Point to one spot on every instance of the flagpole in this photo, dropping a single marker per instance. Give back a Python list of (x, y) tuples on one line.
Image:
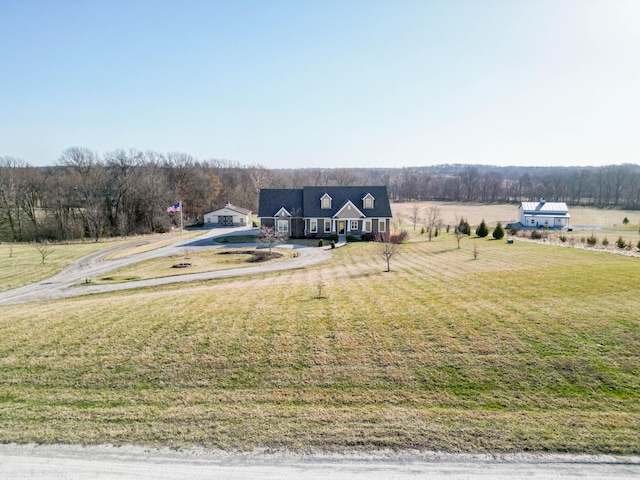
[(181, 225)]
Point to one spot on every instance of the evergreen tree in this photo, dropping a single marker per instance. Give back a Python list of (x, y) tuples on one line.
[(498, 233), (482, 231)]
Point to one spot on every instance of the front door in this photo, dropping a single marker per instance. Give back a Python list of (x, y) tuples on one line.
[(341, 227)]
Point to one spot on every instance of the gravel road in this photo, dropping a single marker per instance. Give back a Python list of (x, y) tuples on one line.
[(57, 462), (69, 282)]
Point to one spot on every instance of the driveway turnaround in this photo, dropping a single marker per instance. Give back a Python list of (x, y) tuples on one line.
[(70, 282)]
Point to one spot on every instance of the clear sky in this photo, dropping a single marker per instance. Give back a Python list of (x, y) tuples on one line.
[(324, 83)]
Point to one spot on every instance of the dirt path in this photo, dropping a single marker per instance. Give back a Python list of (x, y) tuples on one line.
[(56, 462), (69, 282)]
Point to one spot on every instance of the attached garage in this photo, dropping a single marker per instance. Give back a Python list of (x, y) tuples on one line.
[(228, 216)]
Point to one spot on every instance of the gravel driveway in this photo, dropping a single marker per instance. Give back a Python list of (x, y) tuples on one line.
[(69, 282)]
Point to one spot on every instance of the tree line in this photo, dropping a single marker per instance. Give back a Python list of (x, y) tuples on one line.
[(121, 193)]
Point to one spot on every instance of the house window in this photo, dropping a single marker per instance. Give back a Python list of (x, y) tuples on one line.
[(367, 225), (382, 225), (327, 226), (325, 201), (283, 226), (313, 225), (367, 201), (354, 225)]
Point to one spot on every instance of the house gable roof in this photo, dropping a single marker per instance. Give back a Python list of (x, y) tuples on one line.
[(274, 199), (341, 195), (233, 208), (348, 205)]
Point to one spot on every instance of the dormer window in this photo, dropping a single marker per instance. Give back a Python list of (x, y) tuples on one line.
[(325, 201), (367, 201)]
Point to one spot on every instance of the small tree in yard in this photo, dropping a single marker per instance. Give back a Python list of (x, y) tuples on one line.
[(482, 231), (44, 249), (270, 237), (386, 247), (498, 233)]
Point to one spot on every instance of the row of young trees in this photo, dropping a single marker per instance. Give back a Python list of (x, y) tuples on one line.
[(85, 194)]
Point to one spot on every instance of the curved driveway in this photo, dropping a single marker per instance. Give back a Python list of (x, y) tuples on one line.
[(69, 282)]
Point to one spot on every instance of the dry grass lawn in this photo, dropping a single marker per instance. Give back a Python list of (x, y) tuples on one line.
[(528, 348), (200, 261)]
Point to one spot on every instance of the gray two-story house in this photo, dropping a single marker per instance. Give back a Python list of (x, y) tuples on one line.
[(317, 212)]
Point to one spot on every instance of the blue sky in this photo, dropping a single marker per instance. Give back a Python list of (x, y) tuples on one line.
[(324, 83)]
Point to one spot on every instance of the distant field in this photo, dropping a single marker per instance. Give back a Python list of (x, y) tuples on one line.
[(474, 213), (527, 348)]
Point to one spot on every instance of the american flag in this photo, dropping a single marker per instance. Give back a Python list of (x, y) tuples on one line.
[(174, 208)]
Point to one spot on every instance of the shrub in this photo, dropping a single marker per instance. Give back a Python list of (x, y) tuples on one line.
[(436, 232), (334, 237), (482, 231), (498, 232), (464, 227), (448, 228), (592, 240), (638, 245), (422, 230), (368, 237), (605, 241), (350, 238), (536, 235), (321, 243), (625, 221), (621, 243), (563, 237), (513, 231), (399, 236), (333, 244)]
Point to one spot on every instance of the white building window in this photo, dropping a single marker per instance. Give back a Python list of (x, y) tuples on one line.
[(382, 224), (313, 225), (327, 226), (283, 226), (325, 201), (354, 225), (367, 226)]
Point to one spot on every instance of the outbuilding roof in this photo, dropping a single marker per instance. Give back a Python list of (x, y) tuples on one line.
[(545, 208)]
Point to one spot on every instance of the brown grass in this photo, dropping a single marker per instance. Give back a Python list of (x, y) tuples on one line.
[(529, 347)]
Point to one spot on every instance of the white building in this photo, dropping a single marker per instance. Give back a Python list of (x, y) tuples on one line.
[(228, 216), (544, 214)]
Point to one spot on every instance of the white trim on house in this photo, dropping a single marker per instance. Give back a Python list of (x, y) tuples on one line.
[(327, 221), (282, 226), (282, 213), (313, 225), (325, 202), (368, 196), (348, 204), (367, 225)]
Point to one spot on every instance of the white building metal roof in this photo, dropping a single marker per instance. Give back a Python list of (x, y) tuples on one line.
[(545, 208)]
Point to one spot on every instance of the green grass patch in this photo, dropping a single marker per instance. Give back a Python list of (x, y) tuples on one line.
[(528, 348)]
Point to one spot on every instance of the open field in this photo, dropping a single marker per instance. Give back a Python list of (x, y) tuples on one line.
[(528, 348), (474, 213), (200, 261)]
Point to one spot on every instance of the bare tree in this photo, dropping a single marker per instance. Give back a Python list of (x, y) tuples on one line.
[(415, 214), (433, 220), (44, 249), (386, 248), (457, 232), (270, 237)]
